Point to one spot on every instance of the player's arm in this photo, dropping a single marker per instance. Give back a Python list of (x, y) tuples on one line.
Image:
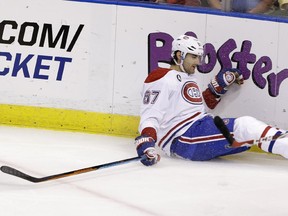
[(215, 4), (218, 86), (145, 143), (262, 7), (154, 103)]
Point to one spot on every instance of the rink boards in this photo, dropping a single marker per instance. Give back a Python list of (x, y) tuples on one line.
[(82, 68)]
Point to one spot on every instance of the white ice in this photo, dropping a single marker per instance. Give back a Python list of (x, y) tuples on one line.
[(245, 184)]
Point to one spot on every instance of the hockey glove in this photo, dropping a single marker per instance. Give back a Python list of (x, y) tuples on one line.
[(220, 83), (145, 147)]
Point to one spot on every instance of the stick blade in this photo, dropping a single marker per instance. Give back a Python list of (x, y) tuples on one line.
[(17, 173)]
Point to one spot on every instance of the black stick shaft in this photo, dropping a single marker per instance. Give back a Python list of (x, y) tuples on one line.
[(223, 129)]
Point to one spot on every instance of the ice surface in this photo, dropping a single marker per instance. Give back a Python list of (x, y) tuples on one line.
[(245, 184)]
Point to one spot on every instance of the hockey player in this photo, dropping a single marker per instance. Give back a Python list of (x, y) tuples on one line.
[(173, 115)]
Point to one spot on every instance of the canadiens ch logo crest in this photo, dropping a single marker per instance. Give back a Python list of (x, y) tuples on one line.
[(191, 93)]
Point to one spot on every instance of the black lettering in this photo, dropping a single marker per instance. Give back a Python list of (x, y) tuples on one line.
[(2, 27), (47, 30), (75, 38), (22, 33)]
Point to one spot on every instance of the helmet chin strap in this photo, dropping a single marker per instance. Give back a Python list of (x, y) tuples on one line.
[(182, 68), (180, 64)]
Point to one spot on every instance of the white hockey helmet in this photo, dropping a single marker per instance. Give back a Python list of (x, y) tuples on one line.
[(186, 44)]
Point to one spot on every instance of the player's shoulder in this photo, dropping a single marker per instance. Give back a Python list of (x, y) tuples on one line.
[(157, 74)]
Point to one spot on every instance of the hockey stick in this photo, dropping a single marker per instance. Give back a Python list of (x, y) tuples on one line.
[(17, 173), (249, 143), (234, 144), (224, 130)]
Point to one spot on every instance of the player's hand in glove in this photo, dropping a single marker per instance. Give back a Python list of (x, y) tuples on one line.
[(226, 77), (145, 147)]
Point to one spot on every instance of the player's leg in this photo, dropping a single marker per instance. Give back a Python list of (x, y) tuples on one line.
[(203, 141), (247, 128)]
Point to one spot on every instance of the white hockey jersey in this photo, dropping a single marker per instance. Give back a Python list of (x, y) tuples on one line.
[(171, 102)]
